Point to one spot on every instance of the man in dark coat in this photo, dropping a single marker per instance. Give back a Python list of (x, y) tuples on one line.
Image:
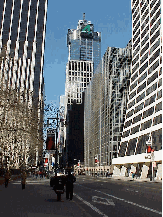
[(70, 179)]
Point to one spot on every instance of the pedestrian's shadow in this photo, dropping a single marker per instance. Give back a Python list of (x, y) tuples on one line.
[(51, 200)]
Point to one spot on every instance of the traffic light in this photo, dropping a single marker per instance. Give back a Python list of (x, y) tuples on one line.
[(149, 148)]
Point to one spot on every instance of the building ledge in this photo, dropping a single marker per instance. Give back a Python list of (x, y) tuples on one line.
[(139, 158)]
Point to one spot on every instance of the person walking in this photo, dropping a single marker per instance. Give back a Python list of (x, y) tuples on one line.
[(7, 177), (24, 176), (70, 179)]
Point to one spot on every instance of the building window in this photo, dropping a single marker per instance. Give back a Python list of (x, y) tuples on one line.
[(139, 98), (140, 88), (146, 125), (148, 112), (153, 67), (158, 107), (157, 119), (137, 118), (142, 77)]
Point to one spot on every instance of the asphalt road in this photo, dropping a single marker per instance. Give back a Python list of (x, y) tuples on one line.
[(92, 197), (120, 198)]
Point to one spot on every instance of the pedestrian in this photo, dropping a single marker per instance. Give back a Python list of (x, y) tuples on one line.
[(7, 177), (70, 179), (24, 176), (36, 174)]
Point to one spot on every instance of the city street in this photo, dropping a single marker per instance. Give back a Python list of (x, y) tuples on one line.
[(92, 197)]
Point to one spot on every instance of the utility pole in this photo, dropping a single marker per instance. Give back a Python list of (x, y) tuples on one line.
[(56, 154)]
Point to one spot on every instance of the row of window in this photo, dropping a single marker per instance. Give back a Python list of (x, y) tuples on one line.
[(155, 46), (156, 26), (79, 79), (145, 125), (136, 28), (144, 58), (144, 49), (135, 60), (145, 23), (135, 12), (136, 43), (155, 9), (153, 67), (153, 2), (144, 15), (144, 7), (135, 68), (145, 66), (133, 85), (140, 88), (136, 36), (150, 100), (145, 31), (155, 18), (137, 18), (145, 40), (80, 74), (154, 56), (80, 66), (155, 36), (134, 77)]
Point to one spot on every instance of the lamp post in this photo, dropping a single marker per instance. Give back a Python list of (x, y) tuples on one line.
[(56, 148)]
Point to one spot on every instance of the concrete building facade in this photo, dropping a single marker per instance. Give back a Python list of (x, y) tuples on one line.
[(22, 37), (143, 121)]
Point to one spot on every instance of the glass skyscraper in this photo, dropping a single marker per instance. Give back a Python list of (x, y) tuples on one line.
[(84, 56)]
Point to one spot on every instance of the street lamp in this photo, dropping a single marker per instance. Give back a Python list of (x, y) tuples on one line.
[(56, 153)]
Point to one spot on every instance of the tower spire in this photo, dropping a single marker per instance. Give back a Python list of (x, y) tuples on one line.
[(83, 16)]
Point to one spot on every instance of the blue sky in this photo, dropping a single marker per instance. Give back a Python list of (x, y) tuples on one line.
[(111, 18)]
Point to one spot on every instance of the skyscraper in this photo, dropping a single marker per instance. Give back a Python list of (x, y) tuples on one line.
[(84, 45), (143, 122), (84, 56), (22, 41), (22, 31)]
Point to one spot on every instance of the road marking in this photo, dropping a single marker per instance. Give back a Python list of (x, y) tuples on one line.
[(105, 201), (90, 205), (131, 190), (126, 201)]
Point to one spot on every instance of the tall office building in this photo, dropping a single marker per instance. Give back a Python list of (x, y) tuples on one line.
[(84, 56), (22, 31), (143, 123), (105, 105), (22, 41), (84, 45)]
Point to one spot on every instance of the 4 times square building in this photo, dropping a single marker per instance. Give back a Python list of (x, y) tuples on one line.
[(123, 109), (22, 39)]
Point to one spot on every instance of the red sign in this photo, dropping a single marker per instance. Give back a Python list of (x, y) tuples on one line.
[(46, 160), (50, 143)]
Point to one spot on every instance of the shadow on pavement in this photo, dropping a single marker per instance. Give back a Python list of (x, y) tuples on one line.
[(51, 200)]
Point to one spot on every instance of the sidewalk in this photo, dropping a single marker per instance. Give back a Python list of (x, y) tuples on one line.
[(116, 177), (13, 177)]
